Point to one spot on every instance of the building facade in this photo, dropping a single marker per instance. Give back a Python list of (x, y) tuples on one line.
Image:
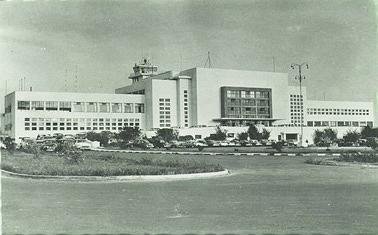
[(29, 114), (194, 101)]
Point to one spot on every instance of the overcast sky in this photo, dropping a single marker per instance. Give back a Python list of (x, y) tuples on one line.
[(46, 41)]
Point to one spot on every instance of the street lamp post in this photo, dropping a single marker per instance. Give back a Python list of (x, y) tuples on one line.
[(300, 77)]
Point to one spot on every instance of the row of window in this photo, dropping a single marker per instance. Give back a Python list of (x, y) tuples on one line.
[(325, 111), (82, 119), (165, 106), (92, 107), (75, 128), (186, 108), (296, 109), (247, 102), (247, 94), (339, 123), (247, 116), (79, 123)]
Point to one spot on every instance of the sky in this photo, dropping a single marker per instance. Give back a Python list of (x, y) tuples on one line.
[(50, 43)]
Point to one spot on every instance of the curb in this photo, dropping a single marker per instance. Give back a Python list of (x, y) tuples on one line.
[(123, 178), (219, 154)]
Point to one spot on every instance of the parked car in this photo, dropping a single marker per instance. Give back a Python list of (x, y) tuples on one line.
[(177, 144), (255, 143), (144, 144), (224, 143), (292, 143), (200, 143), (236, 142), (231, 143)]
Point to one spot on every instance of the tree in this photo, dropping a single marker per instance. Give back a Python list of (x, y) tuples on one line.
[(369, 132), (9, 144), (318, 137), (253, 132), (102, 137), (325, 137), (265, 134), (129, 134), (167, 134), (352, 136), (243, 136), (219, 134), (329, 135)]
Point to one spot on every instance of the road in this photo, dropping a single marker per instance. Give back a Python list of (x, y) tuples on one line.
[(276, 195)]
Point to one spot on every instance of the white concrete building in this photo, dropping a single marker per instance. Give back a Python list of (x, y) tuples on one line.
[(194, 101), (28, 114)]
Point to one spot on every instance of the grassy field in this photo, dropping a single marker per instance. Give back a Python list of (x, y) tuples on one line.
[(104, 164), (265, 149), (263, 195), (367, 157)]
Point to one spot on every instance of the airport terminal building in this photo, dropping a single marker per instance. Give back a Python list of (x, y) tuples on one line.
[(194, 101)]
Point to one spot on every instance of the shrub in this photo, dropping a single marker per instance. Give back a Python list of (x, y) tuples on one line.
[(358, 157), (243, 136), (73, 157), (185, 138), (102, 137), (9, 144), (128, 134), (265, 134), (369, 132), (167, 134), (372, 142), (325, 137), (277, 146), (352, 136)]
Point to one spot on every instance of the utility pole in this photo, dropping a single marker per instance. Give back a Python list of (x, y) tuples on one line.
[(300, 77)]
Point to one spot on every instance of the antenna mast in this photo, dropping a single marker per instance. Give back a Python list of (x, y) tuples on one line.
[(208, 60), (76, 82)]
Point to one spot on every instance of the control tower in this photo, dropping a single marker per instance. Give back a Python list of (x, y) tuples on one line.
[(143, 70)]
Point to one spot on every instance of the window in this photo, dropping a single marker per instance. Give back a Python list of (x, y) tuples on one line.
[(92, 107), (37, 105), (78, 107), (129, 108), (262, 102), (51, 105), (139, 108), (23, 105), (264, 94), (310, 123), (116, 108), (104, 107), (65, 106)]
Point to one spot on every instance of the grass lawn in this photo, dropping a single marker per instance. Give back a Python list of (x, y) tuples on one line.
[(263, 149), (366, 157), (104, 164)]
